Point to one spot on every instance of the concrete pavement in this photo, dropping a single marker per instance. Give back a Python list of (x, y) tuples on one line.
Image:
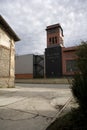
[(31, 106)]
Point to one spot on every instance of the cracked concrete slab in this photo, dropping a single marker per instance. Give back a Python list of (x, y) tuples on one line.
[(6, 101), (35, 105), (15, 115), (31, 107), (34, 124)]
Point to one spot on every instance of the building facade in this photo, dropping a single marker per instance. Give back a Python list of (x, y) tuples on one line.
[(29, 66), (53, 52), (69, 61), (59, 60), (7, 51)]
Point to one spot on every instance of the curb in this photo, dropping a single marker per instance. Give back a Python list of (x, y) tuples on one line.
[(59, 113)]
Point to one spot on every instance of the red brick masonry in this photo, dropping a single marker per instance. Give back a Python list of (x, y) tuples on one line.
[(67, 54), (23, 76)]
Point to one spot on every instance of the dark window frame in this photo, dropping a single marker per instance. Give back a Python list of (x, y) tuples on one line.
[(71, 66)]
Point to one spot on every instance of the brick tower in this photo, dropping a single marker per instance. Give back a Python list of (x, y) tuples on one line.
[(53, 52), (54, 35)]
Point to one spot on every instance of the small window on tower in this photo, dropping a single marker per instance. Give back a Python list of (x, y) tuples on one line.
[(55, 39), (52, 40), (49, 39)]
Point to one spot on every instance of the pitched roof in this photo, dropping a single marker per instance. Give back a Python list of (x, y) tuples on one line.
[(8, 29)]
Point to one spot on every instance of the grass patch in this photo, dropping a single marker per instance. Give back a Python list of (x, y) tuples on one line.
[(73, 120)]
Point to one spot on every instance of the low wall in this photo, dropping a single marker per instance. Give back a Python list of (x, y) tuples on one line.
[(45, 81), (23, 76)]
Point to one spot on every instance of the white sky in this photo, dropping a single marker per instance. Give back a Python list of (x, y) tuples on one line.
[(29, 18)]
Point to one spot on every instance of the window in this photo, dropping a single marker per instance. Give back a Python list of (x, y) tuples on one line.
[(71, 66), (50, 40), (55, 39)]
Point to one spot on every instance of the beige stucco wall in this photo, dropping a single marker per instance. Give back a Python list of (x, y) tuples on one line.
[(4, 38), (7, 82), (6, 60)]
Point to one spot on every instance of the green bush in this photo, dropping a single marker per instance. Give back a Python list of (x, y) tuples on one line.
[(82, 58), (79, 83), (73, 120), (79, 90)]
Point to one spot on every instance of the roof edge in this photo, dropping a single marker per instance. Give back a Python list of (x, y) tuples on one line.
[(8, 29)]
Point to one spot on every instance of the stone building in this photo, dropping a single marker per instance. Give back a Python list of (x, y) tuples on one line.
[(7, 53)]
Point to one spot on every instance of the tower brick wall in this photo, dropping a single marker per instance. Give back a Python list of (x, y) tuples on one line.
[(66, 57), (53, 52), (54, 35)]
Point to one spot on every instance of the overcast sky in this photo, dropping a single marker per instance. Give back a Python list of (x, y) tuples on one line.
[(29, 18)]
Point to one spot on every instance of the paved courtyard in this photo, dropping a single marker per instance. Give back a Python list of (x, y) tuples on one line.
[(31, 106)]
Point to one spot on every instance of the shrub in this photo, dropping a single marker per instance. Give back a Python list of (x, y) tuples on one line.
[(79, 83)]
